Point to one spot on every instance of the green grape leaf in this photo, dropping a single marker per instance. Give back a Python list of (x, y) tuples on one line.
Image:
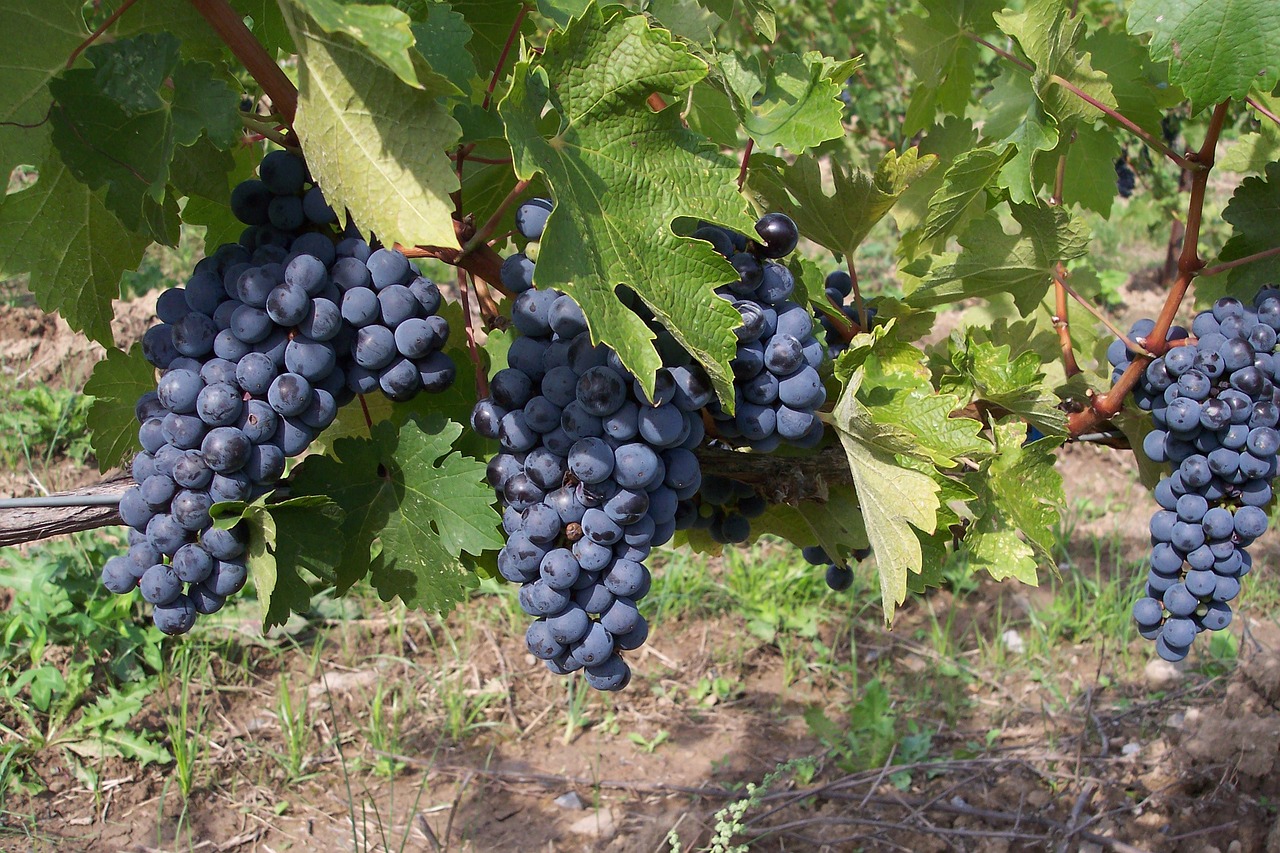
[(490, 22), (376, 144), (1215, 50), (835, 523), (1254, 214), (992, 262), (115, 386), (38, 226), (791, 101), (412, 505), (964, 190), (384, 31), (1085, 183), (113, 132), (203, 170), (1139, 86), (759, 14), (1016, 384), (282, 540), (562, 11), (896, 500), (36, 40), (208, 194), (1018, 490), (1251, 152), (442, 40), (687, 19), (1017, 117), (947, 142), (1049, 32), (839, 220), (943, 57), (179, 18), (611, 161)]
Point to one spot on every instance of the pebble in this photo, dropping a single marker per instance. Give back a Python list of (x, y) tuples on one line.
[(570, 800), (1161, 674), (1013, 641), (600, 825)]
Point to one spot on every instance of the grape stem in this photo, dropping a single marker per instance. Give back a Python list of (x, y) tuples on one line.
[(1186, 162), (96, 34), (1061, 318), (1064, 290), (364, 407), (230, 27), (482, 235), (482, 381), (502, 57), (267, 130), (1238, 262), (746, 161), (1106, 406), (482, 261), (1263, 110)]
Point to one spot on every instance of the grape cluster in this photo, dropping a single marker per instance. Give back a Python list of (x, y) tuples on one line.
[(777, 387), (839, 577), (267, 340), (1126, 180), (724, 508), (590, 475), (1215, 405), (839, 287)]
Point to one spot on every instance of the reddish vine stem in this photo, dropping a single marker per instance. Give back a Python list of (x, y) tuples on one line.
[(1110, 112), (1061, 318), (229, 25), (746, 160), (1106, 406), (1060, 282), (1260, 108), (482, 381), (481, 237), (364, 407), (96, 34), (482, 262), (844, 326), (1238, 262), (502, 57)]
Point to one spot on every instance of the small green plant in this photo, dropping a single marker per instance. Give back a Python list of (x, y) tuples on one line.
[(295, 725), (866, 737), (648, 745)]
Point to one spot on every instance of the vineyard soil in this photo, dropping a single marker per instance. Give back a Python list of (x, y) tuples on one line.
[(1015, 747)]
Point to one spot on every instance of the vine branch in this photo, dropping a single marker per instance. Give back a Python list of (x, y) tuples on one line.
[(1260, 108), (1120, 119), (1238, 262), (1061, 318), (229, 26), (97, 33), (1106, 406)]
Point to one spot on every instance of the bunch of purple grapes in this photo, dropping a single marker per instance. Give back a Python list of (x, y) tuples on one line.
[(590, 473), (269, 338), (1215, 405), (724, 508), (839, 287), (777, 387), (838, 577)]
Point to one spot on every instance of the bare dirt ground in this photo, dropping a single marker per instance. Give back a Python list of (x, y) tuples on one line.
[(400, 740)]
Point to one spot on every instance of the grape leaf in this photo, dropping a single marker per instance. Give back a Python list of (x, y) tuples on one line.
[(490, 22), (1215, 50), (759, 14), (282, 539), (113, 131), (1048, 31), (792, 101), (687, 19), (1140, 86), (1086, 182), (835, 524), (115, 386), (895, 500), (73, 247), (942, 56), (384, 31), (36, 41), (442, 39), (199, 40), (1251, 152), (838, 221), (412, 505), (991, 261), (963, 189), (612, 163), (1018, 490), (1017, 117), (376, 144), (1017, 384), (1254, 214), (947, 142)]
